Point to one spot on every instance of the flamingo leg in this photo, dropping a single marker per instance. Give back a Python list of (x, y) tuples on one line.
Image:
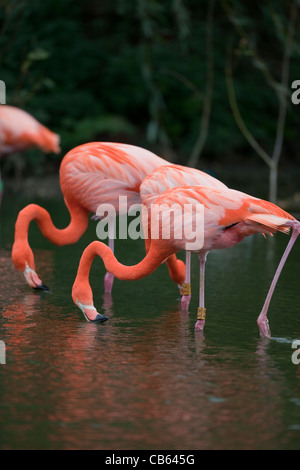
[(186, 288), (262, 321), (109, 278), (201, 309)]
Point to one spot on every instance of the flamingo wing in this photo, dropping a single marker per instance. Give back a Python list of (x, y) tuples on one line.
[(222, 209), (171, 176), (100, 172), (258, 212), (180, 213)]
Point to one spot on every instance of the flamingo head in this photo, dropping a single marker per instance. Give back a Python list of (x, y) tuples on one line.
[(23, 260), (32, 279), (82, 297)]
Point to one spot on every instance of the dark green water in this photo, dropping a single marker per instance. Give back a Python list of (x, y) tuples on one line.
[(145, 379)]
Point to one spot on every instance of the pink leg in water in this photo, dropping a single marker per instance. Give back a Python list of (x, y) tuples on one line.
[(262, 321), (109, 278), (186, 288), (201, 309)]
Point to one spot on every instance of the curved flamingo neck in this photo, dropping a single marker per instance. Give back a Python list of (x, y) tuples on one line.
[(154, 257), (68, 235), (176, 269)]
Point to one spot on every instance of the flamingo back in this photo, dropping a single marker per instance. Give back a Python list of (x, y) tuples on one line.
[(100, 172), (171, 176), (20, 131)]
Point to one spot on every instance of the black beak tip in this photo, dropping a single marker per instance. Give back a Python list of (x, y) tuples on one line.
[(100, 318), (41, 287)]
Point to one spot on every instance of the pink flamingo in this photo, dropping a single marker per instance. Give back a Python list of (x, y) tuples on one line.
[(20, 131), (171, 176), (90, 174), (229, 217)]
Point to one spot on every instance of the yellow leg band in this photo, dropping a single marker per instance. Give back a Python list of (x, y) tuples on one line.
[(186, 289), (201, 314)]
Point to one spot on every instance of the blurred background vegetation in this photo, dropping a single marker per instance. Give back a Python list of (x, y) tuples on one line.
[(201, 83)]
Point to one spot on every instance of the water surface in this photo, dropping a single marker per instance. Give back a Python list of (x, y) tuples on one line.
[(145, 379)]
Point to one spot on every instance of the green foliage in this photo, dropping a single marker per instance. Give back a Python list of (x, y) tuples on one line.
[(89, 129), (135, 70)]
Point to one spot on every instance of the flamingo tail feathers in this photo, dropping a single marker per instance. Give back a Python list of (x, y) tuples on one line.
[(272, 222)]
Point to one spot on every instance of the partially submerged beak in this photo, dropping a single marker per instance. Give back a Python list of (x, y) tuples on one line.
[(90, 313), (33, 280)]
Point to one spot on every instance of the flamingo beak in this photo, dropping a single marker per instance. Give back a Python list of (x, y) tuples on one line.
[(90, 313), (33, 280)]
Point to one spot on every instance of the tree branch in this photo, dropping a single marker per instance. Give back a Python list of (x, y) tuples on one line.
[(237, 115), (284, 82)]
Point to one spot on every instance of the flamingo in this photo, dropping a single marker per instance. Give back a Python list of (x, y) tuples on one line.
[(171, 176), (20, 131), (90, 174), (229, 217)]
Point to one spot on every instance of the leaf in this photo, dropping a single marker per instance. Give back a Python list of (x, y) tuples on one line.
[(38, 54)]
